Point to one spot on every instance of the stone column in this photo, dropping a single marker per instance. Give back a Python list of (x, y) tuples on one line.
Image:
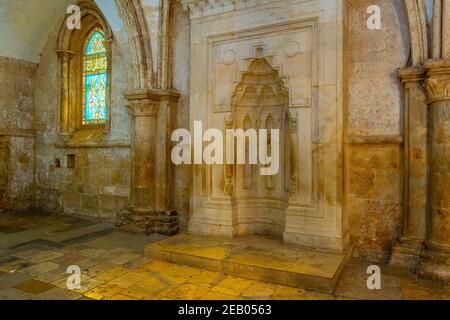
[(436, 258), (406, 252), (65, 56), (149, 210), (143, 153)]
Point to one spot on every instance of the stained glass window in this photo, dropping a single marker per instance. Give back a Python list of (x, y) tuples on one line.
[(95, 79)]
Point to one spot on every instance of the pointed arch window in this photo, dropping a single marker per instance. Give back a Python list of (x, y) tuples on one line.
[(95, 79)]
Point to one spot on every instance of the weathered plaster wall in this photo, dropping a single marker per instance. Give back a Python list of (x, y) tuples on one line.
[(98, 184), (374, 200), (28, 23), (16, 134), (181, 69)]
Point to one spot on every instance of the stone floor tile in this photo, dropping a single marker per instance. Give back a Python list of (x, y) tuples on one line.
[(103, 292), (185, 292), (205, 278), (387, 281), (28, 254), (124, 258), (421, 290), (122, 297), (171, 269), (259, 290), (88, 262), (39, 268), (87, 283), (51, 276), (92, 252), (11, 279), (15, 266), (232, 286), (14, 294), (68, 259), (33, 286), (359, 290), (213, 296), (287, 293), (145, 290), (109, 254), (46, 256), (127, 280), (136, 263), (98, 269), (57, 294), (112, 274)]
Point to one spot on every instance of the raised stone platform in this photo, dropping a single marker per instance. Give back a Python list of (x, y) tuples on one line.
[(255, 258)]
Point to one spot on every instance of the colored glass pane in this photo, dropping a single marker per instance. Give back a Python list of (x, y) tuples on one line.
[(96, 63), (95, 80), (96, 97), (96, 44)]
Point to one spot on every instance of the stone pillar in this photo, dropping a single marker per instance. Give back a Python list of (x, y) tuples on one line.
[(406, 253), (149, 209), (65, 56), (143, 152), (436, 257)]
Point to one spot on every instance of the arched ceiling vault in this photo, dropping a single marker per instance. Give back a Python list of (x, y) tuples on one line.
[(27, 24)]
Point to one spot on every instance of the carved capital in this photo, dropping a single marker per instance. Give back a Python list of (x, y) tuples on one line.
[(437, 83), (146, 102), (143, 107)]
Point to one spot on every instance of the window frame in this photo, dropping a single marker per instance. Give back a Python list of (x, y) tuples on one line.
[(82, 92)]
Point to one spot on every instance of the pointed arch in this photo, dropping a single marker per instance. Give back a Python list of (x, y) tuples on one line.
[(85, 81), (133, 14), (417, 16)]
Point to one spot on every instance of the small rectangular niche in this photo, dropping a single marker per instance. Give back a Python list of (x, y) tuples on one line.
[(70, 161)]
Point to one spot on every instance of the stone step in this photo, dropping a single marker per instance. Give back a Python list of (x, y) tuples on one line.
[(255, 258)]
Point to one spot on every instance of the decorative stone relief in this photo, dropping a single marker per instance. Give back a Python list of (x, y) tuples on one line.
[(298, 40), (261, 101)]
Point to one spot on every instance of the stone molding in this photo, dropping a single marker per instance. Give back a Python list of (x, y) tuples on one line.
[(412, 74), (202, 8), (152, 94), (21, 133), (379, 139)]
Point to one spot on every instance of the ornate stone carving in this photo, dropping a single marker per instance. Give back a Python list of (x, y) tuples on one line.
[(438, 80), (261, 101), (144, 107)]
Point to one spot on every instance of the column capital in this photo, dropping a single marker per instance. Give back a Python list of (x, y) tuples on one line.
[(152, 94), (64, 53), (411, 74), (437, 82), (143, 107)]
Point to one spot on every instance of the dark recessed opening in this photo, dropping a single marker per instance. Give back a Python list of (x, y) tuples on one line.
[(57, 163), (70, 161)]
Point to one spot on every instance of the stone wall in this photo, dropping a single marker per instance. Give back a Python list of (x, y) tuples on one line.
[(90, 175), (375, 128), (17, 189)]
